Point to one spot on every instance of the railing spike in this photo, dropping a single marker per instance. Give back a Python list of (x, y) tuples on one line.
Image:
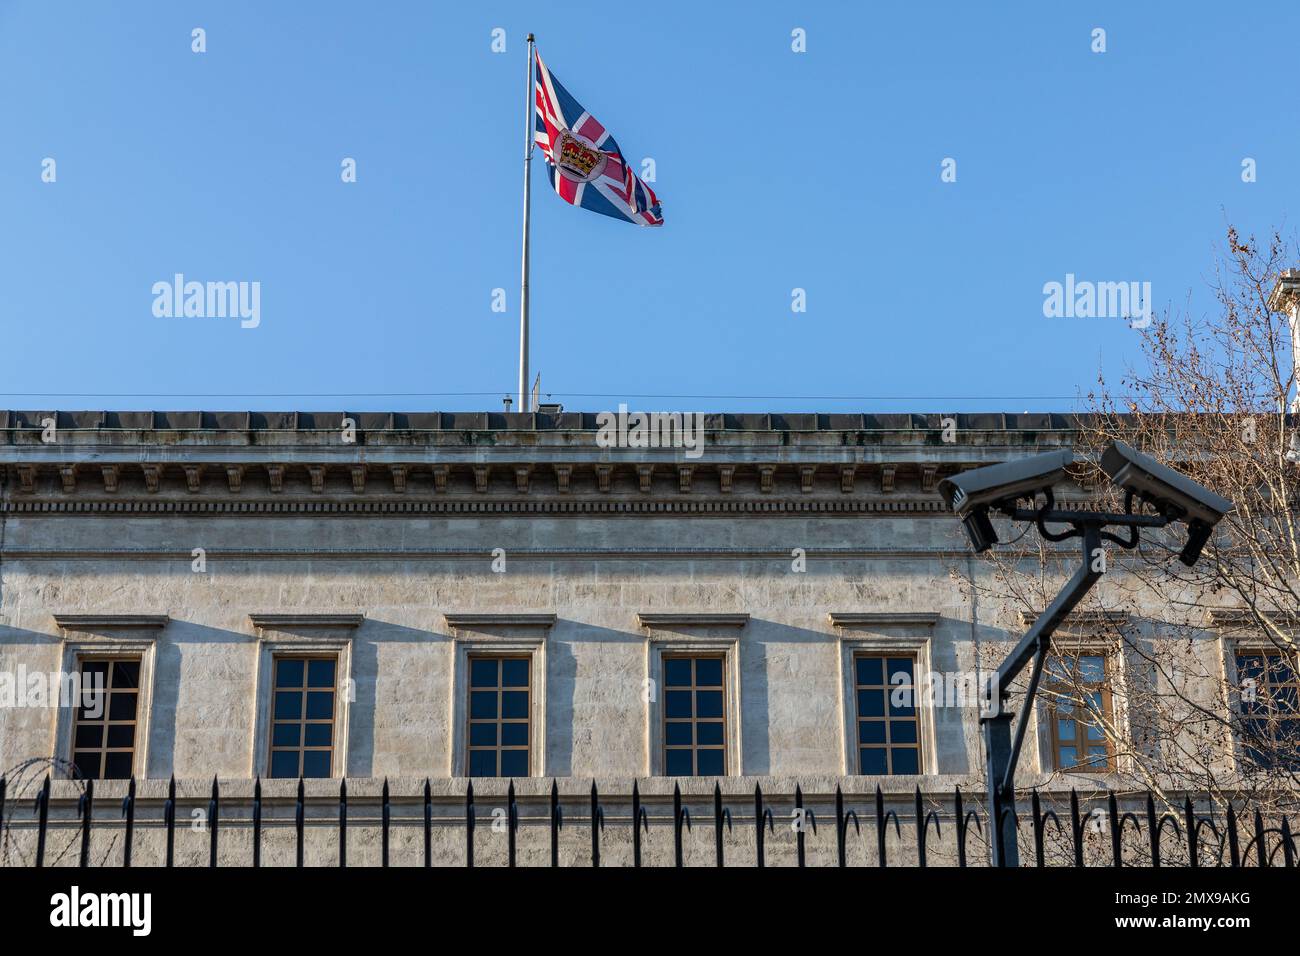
[(556, 823), (257, 821), (128, 811), (428, 824), (169, 818), (719, 815), (87, 808), (214, 819), (638, 815), (597, 825), (1076, 827), (512, 822), (387, 815), (343, 823), (469, 824), (299, 818), (1261, 840), (1234, 841), (42, 811)]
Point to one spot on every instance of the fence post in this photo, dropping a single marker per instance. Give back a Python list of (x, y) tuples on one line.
[(469, 824), (428, 824), (882, 818), (214, 815), (86, 804), (343, 823), (387, 811), (128, 811), (963, 818), (1116, 829), (257, 821), (1261, 840), (512, 820), (42, 810), (719, 814), (761, 815), (842, 826), (299, 819), (1076, 827), (597, 825), (798, 833), (169, 818), (923, 827), (680, 815), (1040, 827), (1234, 843), (638, 816), (557, 822)]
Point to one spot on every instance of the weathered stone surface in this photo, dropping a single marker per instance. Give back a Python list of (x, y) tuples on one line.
[(295, 528)]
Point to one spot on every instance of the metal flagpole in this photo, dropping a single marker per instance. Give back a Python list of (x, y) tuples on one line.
[(523, 294)]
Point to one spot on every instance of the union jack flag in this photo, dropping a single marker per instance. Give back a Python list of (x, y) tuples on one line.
[(584, 162)]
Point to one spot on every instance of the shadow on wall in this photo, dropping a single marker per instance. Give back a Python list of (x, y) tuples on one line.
[(595, 700), (214, 673), (419, 705), (766, 646), (23, 735)]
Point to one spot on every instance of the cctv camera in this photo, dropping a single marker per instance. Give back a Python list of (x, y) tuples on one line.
[(971, 494), (1169, 492)]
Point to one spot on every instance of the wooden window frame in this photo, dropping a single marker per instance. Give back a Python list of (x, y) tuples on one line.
[(690, 634), (498, 721), (1240, 649), (1054, 742), (918, 744), (106, 721), (304, 721), (694, 720), (893, 634), (122, 636), (303, 635)]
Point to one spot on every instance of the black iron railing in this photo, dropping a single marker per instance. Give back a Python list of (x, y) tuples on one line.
[(1137, 831)]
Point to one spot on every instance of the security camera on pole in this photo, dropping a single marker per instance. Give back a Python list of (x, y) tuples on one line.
[(1169, 497)]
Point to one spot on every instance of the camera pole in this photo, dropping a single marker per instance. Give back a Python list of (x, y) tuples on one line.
[(1002, 751)]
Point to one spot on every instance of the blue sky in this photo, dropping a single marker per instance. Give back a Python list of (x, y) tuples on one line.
[(777, 170)]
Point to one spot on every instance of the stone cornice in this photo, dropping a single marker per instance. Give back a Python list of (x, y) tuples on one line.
[(369, 427), (1230, 619), (61, 472), (1083, 620), (472, 619), (516, 554), (613, 506), (654, 619), (110, 622), (853, 619), (464, 624), (279, 622)]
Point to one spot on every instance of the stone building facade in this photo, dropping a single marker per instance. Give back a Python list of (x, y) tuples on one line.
[(491, 592)]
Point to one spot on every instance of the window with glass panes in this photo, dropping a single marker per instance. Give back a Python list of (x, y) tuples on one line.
[(889, 726), (103, 735), (499, 709), (302, 716), (694, 709), (1270, 707), (1078, 698)]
